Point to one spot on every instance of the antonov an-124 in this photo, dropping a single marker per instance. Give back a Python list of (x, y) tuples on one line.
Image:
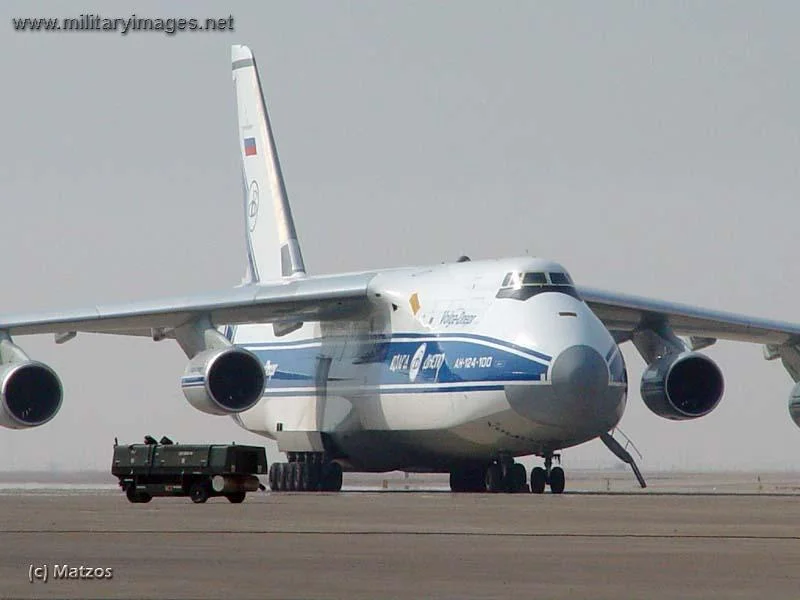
[(455, 368)]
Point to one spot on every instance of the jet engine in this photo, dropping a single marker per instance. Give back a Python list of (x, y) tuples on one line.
[(224, 381), (682, 386), (794, 404), (30, 394)]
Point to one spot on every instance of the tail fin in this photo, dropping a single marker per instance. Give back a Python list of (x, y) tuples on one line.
[(272, 246)]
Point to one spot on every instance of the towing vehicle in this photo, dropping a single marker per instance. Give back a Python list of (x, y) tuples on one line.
[(200, 471)]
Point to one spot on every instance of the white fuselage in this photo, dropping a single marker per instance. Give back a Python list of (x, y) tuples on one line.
[(442, 371)]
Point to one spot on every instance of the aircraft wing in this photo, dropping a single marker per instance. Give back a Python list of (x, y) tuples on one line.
[(623, 315), (318, 298)]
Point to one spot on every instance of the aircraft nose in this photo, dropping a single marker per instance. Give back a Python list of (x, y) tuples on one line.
[(579, 373)]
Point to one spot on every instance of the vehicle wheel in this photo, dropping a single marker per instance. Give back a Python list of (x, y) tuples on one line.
[(519, 478), (274, 477), (236, 497), (332, 477), (198, 492), (494, 479), (557, 480), (130, 493), (538, 480), (144, 497)]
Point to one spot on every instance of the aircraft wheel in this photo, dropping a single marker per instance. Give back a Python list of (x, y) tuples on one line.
[(303, 477), (468, 479), (274, 477), (236, 497), (476, 479), (331, 477), (519, 478), (283, 477), (313, 477), (198, 492), (291, 482), (460, 480), (538, 480), (494, 479), (557, 480)]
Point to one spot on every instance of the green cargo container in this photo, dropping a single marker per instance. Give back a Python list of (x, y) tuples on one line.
[(199, 471)]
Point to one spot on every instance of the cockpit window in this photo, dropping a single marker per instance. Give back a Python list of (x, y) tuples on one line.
[(534, 279), (521, 286), (560, 279)]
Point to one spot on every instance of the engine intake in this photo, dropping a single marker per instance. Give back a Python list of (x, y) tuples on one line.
[(682, 386), (30, 394), (223, 382)]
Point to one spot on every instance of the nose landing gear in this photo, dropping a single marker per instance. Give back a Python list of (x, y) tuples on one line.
[(554, 476)]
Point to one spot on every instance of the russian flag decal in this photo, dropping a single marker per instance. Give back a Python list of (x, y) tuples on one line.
[(250, 146)]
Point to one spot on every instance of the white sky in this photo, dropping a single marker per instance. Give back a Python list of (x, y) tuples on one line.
[(651, 148)]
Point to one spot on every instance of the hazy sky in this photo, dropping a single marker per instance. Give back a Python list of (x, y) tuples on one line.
[(652, 148)]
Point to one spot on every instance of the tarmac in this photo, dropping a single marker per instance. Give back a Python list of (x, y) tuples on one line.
[(686, 536)]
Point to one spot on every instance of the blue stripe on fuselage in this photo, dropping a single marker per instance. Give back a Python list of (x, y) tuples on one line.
[(409, 359)]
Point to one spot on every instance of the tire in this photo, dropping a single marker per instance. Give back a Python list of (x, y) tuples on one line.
[(538, 480), (557, 480), (144, 498), (458, 481), (331, 478), (131, 494), (236, 497), (301, 477), (314, 483), (494, 479), (467, 480), (519, 478), (291, 477), (274, 477), (283, 477), (476, 480), (199, 492)]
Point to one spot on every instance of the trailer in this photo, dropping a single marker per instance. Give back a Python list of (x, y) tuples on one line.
[(200, 471)]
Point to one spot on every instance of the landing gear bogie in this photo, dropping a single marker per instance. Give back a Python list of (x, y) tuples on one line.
[(309, 474), (501, 476)]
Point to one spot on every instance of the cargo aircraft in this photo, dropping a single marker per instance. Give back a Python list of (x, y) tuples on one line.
[(456, 368)]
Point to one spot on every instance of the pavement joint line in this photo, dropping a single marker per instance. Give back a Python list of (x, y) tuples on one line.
[(645, 536)]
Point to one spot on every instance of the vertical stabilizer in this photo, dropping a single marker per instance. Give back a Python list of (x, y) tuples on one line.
[(272, 246)]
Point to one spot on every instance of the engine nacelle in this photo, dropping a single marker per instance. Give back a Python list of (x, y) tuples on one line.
[(682, 386), (794, 404), (223, 382), (30, 394)]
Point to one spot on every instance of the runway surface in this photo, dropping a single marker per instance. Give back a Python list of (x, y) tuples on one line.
[(410, 544)]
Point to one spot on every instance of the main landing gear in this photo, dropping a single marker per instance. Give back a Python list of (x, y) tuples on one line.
[(550, 475), (305, 472), (505, 475)]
